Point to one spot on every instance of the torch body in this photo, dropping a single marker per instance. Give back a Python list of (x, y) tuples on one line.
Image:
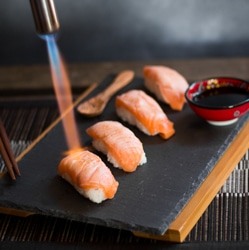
[(45, 16)]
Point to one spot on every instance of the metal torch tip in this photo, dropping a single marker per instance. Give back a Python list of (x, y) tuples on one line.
[(45, 16)]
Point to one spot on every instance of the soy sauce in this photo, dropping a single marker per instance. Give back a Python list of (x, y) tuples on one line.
[(220, 97)]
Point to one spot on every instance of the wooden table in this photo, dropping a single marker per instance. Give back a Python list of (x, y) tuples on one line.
[(35, 80), (36, 77)]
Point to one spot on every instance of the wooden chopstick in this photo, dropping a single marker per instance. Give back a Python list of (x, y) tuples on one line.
[(7, 154)]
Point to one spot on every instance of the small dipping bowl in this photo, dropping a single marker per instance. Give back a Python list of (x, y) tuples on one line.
[(220, 101)]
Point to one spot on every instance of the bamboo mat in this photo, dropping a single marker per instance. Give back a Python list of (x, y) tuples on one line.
[(226, 218)]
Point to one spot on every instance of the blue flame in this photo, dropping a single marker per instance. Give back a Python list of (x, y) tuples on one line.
[(56, 65), (54, 55), (62, 90)]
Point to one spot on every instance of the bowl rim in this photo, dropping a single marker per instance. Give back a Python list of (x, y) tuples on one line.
[(216, 107)]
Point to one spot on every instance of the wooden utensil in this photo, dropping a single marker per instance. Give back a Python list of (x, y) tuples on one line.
[(95, 105), (7, 154)]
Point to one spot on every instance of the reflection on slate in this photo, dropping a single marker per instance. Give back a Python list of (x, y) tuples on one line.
[(147, 200)]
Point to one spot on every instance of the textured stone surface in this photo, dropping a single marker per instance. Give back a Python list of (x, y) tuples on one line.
[(147, 200)]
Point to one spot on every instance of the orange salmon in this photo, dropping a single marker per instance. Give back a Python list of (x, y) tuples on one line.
[(89, 175), (123, 149), (167, 84), (141, 110)]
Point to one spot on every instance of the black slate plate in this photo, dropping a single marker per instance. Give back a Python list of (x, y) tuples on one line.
[(147, 200)]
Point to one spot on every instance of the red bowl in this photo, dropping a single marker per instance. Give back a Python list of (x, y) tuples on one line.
[(219, 100)]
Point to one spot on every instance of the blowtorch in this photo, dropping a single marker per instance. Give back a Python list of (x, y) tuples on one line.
[(45, 16)]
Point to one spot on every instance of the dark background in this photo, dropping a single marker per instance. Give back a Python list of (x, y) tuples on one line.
[(107, 30)]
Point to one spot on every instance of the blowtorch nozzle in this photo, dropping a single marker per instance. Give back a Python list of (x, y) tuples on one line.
[(45, 17)]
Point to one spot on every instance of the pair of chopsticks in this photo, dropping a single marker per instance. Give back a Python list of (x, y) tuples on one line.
[(7, 154)]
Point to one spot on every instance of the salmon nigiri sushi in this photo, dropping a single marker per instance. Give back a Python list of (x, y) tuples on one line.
[(167, 84), (123, 149), (89, 175), (141, 110)]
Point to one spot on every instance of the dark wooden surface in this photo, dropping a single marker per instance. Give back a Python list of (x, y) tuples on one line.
[(37, 77)]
